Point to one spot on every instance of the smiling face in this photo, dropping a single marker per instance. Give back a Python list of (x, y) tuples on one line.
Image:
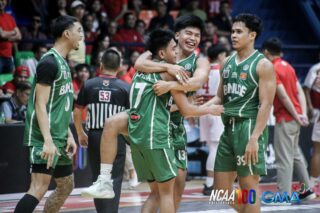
[(241, 36), (189, 39)]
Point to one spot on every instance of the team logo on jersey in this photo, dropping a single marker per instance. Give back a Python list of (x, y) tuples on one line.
[(105, 83), (246, 67), (187, 66), (134, 116), (234, 75), (243, 75)]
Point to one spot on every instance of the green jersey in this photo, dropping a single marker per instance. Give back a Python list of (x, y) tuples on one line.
[(179, 133), (149, 115), (59, 105), (240, 86)]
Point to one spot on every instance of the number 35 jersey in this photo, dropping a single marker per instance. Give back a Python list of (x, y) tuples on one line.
[(149, 115)]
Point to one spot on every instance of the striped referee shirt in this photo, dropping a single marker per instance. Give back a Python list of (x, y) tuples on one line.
[(104, 96)]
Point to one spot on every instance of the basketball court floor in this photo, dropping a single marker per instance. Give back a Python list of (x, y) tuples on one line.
[(131, 201)]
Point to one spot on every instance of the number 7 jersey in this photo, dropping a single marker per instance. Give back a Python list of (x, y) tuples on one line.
[(149, 115)]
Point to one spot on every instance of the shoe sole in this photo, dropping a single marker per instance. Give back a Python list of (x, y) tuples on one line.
[(88, 195), (310, 197)]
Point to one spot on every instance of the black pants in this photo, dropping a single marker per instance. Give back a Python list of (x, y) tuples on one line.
[(107, 205)]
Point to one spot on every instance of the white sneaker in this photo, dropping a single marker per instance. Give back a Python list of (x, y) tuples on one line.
[(102, 188)]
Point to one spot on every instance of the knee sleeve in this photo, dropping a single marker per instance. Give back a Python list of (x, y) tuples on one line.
[(213, 146)]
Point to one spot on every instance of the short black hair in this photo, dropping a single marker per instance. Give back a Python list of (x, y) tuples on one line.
[(79, 67), (273, 45), (23, 86), (214, 50), (60, 24), (183, 22), (159, 39), (111, 59), (252, 22)]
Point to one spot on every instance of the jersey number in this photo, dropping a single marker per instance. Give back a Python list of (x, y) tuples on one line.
[(104, 96), (140, 87)]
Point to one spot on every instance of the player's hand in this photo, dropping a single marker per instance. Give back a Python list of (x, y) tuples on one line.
[(49, 151), (71, 146), (216, 110), (83, 140), (161, 87), (179, 73), (196, 99), (251, 153)]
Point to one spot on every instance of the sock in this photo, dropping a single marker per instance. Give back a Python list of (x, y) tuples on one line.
[(209, 181), (26, 204), (313, 181), (105, 170)]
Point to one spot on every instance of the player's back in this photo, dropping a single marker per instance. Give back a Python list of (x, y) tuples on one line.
[(149, 114)]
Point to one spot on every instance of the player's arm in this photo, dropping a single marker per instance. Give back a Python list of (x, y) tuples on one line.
[(145, 64), (192, 84), (189, 110), (71, 144), (267, 89), (46, 72)]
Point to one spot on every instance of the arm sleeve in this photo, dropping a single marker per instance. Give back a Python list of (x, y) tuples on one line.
[(47, 70), (81, 101)]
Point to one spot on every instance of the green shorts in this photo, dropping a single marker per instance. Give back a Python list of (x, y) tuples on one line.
[(232, 146), (154, 164), (62, 160), (181, 158)]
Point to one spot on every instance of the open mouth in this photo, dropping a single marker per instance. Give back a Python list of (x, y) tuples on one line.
[(190, 44)]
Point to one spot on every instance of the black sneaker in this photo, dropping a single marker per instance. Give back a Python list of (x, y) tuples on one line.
[(207, 190), (307, 194)]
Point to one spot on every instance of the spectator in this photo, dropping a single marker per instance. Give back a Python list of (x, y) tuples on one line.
[(224, 20), (89, 34), (129, 67), (59, 8), (312, 92), (210, 32), (77, 56), (82, 74), (116, 9), (31, 63), (290, 112), (192, 8), (135, 7), (163, 19), (128, 33), (15, 108), (112, 29), (9, 33), (99, 47), (99, 16), (32, 32), (205, 46), (21, 74), (141, 28)]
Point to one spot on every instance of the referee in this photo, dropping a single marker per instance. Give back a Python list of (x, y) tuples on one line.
[(104, 96)]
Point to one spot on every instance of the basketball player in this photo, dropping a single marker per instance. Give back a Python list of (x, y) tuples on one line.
[(188, 31), (47, 132), (211, 127), (149, 131), (247, 91)]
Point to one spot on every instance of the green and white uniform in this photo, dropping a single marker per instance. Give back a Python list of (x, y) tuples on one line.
[(241, 105), (59, 109), (179, 136), (149, 130)]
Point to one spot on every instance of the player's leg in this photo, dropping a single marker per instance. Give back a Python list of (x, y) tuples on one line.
[(64, 180), (151, 205), (248, 183), (40, 180), (213, 146), (179, 186), (166, 193), (315, 161)]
